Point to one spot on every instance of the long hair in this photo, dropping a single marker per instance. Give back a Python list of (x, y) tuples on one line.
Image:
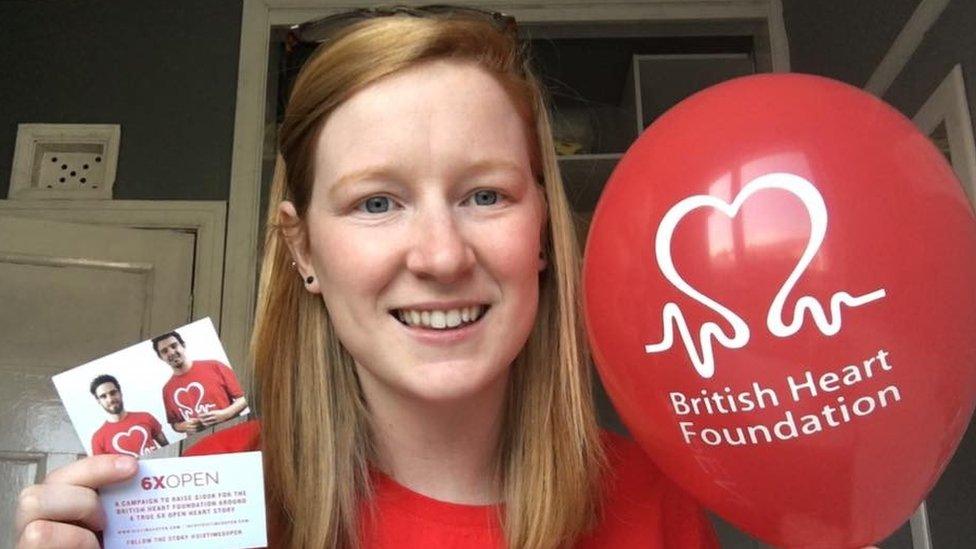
[(316, 435)]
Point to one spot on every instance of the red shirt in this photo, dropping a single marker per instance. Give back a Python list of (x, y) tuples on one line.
[(208, 386), (135, 435), (643, 508)]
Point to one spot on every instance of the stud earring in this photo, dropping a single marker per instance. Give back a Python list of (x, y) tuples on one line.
[(309, 279)]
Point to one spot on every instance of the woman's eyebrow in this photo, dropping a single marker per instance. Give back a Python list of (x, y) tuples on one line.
[(357, 175), (491, 165)]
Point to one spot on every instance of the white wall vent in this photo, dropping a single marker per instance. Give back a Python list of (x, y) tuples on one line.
[(65, 161)]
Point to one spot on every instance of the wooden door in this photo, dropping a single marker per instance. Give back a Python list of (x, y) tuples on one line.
[(70, 293)]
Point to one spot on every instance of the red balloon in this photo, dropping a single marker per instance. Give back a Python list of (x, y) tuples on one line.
[(780, 289)]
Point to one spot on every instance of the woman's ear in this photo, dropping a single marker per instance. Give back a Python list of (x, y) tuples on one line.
[(296, 237)]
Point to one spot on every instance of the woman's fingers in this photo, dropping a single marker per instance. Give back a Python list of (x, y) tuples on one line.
[(95, 471), (61, 503), (42, 534), (64, 509)]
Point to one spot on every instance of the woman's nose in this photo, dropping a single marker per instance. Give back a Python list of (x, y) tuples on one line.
[(439, 250)]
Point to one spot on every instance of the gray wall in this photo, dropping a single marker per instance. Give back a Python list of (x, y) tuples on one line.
[(165, 70), (846, 40)]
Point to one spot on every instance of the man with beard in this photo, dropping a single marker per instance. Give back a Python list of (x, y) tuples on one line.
[(201, 393), (130, 433)]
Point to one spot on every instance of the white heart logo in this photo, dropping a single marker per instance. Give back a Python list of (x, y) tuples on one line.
[(188, 409), (704, 360), (123, 437)]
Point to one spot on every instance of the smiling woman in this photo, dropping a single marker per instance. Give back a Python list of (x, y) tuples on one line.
[(422, 376), (422, 216)]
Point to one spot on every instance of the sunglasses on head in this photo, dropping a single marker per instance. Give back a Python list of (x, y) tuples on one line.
[(321, 30)]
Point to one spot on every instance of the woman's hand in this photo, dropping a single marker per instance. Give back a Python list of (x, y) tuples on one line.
[(64, 511)]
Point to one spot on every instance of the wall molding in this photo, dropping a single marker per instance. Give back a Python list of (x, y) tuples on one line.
[(290, 12), (921, 534), (204, 218), (779, 44), (904, 46), (241, 258), (949, 104)]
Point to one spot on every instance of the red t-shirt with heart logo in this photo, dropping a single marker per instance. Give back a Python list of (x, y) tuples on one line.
[(208, 386), (135, 435)]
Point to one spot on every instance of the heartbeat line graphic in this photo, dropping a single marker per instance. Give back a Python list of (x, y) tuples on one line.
[(673, 318), (703, 362)]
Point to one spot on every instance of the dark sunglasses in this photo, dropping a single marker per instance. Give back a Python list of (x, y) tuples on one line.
[(320, 30)]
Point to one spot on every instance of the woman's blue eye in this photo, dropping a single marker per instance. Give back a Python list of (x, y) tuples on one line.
[(376, 204), (485, 197)]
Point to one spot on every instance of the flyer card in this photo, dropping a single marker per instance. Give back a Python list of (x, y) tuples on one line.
[(200, 502), (152, 394)]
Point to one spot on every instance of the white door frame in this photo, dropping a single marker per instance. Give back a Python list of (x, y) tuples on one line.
[(948, 104), (259, 16), (903, 48)]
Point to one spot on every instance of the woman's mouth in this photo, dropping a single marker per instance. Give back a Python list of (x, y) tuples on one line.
[(440, 319)]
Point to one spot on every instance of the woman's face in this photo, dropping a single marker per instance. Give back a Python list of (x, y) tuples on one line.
[(424, 231)]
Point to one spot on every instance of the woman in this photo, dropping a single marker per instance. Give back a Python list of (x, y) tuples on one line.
[(422, 378)]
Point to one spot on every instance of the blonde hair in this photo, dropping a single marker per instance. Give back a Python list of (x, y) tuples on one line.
[(315, 434)]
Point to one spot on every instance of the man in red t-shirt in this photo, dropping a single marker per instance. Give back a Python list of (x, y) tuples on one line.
[(130, 433), (201, 393)]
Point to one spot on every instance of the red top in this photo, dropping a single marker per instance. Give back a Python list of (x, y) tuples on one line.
[(135, 435), (208, 386), (643, 508)]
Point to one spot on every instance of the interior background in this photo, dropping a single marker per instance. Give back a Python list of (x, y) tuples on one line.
[(167, 72)]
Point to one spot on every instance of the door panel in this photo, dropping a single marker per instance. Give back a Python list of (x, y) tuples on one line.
[(92, 289)]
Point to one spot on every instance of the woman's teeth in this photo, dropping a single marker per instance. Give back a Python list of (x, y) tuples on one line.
[(441, 319)]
